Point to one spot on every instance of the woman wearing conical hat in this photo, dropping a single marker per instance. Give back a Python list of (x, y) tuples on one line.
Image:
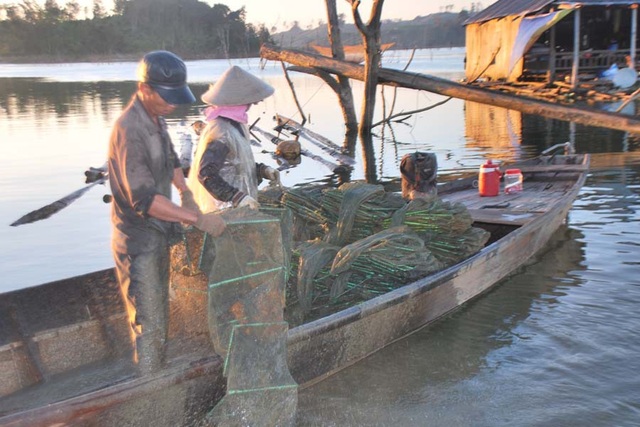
[(224, 172)]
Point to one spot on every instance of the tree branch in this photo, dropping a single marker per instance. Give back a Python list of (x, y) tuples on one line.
[(408, 113)]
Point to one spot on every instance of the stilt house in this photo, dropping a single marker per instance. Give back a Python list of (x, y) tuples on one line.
[(515, 40)]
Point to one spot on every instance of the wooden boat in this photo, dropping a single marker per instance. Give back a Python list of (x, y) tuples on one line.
[(352, 53), (60, 362)]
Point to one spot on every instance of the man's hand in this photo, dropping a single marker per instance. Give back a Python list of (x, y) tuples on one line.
[(273, 175), (188, 202), (249, 201), (211, 223)]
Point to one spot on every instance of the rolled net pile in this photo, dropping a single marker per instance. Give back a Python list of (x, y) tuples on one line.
[(356, 242)]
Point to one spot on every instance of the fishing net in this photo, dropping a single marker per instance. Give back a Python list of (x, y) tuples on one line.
[(433, 215), (313, 257), (356, 210), (245, 272), (451, 248), (357, 241), (309, 252), (393, 252), (309, 220)]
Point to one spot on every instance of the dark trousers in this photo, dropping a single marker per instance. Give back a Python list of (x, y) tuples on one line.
[(144, 285)]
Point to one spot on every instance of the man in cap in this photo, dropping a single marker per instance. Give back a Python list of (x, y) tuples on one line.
[(142, 167), (224, 172)]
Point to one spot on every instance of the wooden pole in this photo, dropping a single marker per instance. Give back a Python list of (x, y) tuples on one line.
[(634, 31), (576, 48), (583, 115), (552, 54), (293, 92)]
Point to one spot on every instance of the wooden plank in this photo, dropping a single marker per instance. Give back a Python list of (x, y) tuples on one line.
[(205, 373), (503, 216), (553, 168)]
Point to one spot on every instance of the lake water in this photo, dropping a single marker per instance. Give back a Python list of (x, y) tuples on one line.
[(555, 345)]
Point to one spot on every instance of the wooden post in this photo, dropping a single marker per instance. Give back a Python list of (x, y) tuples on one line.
[(552, 54), (572, 135), (576, 48), (634, 31)]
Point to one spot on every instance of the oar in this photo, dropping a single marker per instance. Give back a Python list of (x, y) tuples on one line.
[(46, 211)]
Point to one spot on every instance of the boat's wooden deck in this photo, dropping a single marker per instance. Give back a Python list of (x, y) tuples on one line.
[(68, 339), (513, 209)]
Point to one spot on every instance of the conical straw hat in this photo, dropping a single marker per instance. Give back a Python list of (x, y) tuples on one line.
[(237, 87)]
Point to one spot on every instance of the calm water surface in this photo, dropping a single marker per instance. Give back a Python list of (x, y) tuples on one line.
[(555, 345)]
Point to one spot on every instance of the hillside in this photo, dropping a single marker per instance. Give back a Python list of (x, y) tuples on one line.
[(435, 30)]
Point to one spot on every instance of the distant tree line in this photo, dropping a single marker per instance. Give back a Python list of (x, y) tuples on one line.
[(190, 28), (444, 29)]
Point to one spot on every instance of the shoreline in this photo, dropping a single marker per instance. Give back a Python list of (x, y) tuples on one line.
[(62, 59), (123, 57)]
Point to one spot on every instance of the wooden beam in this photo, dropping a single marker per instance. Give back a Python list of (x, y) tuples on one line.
[(552, 54), (576, 48), (583, 115), (554, 168), (634, 34), (502, 216)]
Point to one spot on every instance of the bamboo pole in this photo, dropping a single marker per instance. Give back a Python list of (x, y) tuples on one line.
[(583, 115)]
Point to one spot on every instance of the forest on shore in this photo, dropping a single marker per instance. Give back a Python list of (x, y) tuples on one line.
[(190, 28), (55, 32)]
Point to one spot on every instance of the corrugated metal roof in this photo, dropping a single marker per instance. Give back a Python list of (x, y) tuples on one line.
[(503, 8)]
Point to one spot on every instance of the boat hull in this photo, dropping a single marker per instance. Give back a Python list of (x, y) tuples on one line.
[(344, 338)]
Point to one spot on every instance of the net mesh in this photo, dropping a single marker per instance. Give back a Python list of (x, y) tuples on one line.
[(245, 270), (356, 242), (330, 247)]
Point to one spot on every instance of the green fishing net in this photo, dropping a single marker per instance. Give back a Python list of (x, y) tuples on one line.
[(357, 241), (336, 246), (243, 273)]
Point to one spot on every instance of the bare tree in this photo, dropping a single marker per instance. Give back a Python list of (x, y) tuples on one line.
[(371, 38), (370, 33), (343, 89)]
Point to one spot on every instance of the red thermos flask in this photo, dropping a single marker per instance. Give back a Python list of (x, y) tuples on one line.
[(489, 179)]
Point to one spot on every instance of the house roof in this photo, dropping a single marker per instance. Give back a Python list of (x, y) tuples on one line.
[(503, 8)]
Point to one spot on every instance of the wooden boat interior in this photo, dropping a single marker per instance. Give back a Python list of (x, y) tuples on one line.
[(545, 181), (68, 340)]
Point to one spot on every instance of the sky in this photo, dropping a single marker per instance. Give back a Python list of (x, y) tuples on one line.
[(310, 11), (282, 13)]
